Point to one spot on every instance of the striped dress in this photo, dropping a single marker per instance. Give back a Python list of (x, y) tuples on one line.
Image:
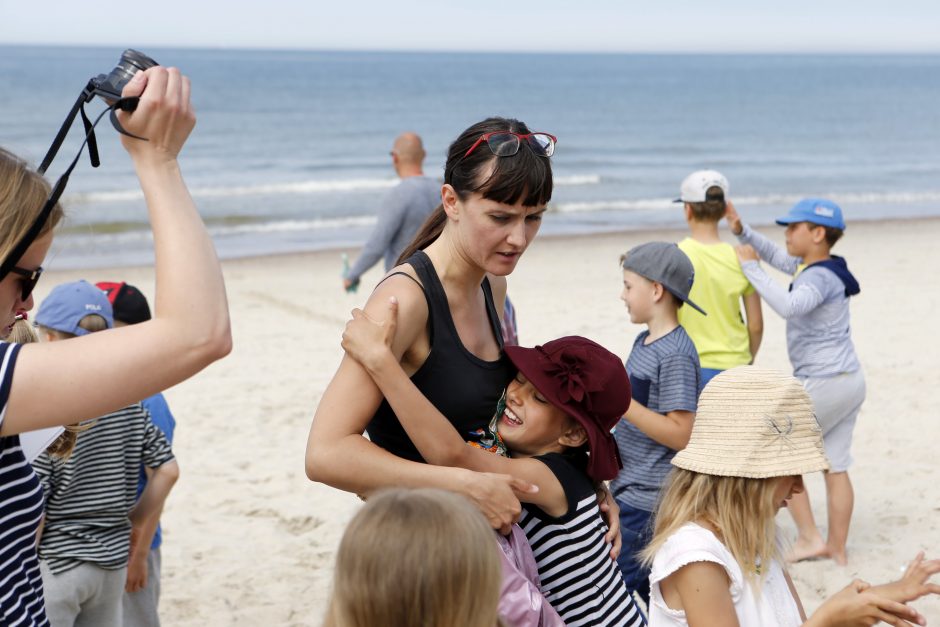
[(21, 601), (578, 577)]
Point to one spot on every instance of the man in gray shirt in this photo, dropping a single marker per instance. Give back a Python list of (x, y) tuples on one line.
[(403, 211)]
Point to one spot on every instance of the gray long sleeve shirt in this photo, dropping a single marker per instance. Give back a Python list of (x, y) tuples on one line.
[(816, 309), (403, 211)]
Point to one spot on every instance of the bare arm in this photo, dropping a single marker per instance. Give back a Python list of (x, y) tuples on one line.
[(154, 495), (340, 456), (701, 590), (190, 328), (672, 429), (431, 432), (141, 538), (755, 322)]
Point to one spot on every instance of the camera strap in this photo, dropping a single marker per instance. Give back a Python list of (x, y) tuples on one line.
[(125, 104)]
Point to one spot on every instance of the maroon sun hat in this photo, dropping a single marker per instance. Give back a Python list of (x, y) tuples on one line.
[(587, 382)]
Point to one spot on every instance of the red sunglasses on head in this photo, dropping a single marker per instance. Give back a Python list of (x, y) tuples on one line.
[(506, 143)]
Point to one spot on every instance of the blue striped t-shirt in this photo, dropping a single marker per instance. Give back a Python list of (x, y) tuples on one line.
[(664, 376)]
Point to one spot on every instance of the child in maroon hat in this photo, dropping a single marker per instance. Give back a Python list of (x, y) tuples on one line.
[(554, 422)]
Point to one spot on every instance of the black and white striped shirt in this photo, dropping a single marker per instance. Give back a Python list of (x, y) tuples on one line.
[(578, 577), (89, 495), (21, 601)]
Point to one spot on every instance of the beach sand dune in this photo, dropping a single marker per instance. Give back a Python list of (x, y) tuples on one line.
[(250, 541)]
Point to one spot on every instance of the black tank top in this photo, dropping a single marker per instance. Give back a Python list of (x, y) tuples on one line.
[(459, 384)]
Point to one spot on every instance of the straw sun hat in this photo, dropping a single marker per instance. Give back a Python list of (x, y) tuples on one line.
[(755, 423)]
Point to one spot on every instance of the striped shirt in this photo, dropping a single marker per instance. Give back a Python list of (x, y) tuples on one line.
[(816, 308), (21, 601), (664, 377), (89, 495), (578, 577)]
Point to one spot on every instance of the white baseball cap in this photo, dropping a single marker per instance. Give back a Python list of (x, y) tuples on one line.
[(695, 185)]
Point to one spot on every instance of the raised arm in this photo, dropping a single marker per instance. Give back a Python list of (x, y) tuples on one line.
[(797, 302), (190, 328), (768, 251), (340, 456)]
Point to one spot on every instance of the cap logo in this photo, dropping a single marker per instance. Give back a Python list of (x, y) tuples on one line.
[(824, 211), (91, 307)]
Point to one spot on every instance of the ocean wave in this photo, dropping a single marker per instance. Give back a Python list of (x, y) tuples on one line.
[(275, 189), (666, 204)]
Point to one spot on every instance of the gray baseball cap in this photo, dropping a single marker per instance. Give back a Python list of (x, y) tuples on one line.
[(666, 264)]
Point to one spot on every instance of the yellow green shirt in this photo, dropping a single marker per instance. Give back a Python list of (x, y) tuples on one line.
[(721, 336)]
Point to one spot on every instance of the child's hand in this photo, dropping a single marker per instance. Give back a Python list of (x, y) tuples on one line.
[(611, 514), (857, 605), (734, 220), (368, 341), (913, 584), (746, 253)]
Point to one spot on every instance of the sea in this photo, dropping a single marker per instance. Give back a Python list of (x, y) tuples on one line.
[(291, 148)]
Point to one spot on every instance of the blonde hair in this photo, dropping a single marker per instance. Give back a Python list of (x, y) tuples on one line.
[(23, 192), (91, 323), (63, 445), (421, 557), (741, 510)]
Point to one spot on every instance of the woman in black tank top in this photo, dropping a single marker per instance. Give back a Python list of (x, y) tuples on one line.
[(497, 182)]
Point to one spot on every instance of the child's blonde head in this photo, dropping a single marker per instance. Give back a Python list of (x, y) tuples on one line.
[(416, 557), (740, 509)]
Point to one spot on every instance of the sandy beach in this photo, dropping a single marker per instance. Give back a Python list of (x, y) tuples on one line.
[(248, 540)]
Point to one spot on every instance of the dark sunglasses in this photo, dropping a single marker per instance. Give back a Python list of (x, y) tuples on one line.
[(507, 143), (29, 280)]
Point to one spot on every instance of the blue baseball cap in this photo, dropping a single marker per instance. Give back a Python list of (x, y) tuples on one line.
[(67, 304), (816, 210)]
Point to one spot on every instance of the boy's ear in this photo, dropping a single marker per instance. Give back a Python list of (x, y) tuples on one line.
[(574, 436), (658, 291), (819, 233)]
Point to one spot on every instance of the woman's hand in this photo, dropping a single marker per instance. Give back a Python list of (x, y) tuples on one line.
[(164, 115), (496, 496), (734, 220), (369, 342), (857, 605), (611, 513)]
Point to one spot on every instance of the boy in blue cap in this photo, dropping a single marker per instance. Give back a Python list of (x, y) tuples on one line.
[(819, 342)]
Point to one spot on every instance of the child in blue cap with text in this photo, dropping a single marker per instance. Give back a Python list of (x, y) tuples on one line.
[(91, 497), (551, 428), (819, 342), (665, 378)]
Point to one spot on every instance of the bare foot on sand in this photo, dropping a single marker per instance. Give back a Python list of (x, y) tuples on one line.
[(809, 550), (837, 556)]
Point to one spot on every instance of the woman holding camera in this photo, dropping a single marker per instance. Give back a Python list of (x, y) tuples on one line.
[(44, 385)]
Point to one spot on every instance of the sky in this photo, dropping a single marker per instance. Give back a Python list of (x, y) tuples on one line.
[(796, 26)]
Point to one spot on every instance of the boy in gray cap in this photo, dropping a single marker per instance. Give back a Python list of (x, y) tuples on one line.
[(664, 377)]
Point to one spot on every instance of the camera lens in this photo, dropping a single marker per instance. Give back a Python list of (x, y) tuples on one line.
[(110, 87), (131, 61)]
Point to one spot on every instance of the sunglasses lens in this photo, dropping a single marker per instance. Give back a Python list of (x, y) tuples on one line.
[(503, 144), (542, 144)]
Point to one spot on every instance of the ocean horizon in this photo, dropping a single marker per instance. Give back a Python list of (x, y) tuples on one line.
[(290, 151)]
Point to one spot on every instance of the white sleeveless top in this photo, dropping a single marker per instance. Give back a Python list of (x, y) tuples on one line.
[(775, 607)]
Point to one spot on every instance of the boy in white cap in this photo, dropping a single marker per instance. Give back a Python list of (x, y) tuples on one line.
[(819, 342), (724, 339), (91, 498), (665, 380)]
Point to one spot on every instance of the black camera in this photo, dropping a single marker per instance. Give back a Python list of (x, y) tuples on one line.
[(110, 86)]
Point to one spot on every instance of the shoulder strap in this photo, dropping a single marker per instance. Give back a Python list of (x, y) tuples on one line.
[(491, 312)]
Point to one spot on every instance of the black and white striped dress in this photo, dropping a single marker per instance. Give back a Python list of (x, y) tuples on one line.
[(21, 601), (578, 577)]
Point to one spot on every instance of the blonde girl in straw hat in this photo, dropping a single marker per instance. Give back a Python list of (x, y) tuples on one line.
[(715, 554)]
